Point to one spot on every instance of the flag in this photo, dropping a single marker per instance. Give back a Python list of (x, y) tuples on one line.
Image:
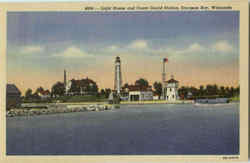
[(165, 60)]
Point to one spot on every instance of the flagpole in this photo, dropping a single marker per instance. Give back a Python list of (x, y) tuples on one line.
[(163, 79)]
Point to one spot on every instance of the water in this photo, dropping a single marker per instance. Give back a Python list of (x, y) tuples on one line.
[(169, 129)]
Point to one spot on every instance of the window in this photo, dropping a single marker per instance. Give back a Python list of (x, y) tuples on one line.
[(173, 96), (170, 89)]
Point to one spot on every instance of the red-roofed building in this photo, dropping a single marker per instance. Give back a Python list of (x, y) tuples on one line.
[(138, 93), (43, 94)]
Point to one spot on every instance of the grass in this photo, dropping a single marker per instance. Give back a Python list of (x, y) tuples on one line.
[(236, 98)]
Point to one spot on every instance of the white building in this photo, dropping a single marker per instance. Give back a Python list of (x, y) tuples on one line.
[(156, 97), (140, 95), (171, 89)]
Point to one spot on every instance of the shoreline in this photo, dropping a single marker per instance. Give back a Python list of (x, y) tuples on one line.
[(34, 109), (54, 109), (122, 102), (159, 102)]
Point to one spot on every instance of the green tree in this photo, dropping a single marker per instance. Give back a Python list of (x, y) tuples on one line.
[(107, 92), (183, 91), (58, 89), (28, 93), (227, 91), (209, 90), (102, 93), (125, 85), (215, 90), (194, 91), (158, 88), (232, 92), (222, 90), (201, 90), (237, 91), (142, 82)]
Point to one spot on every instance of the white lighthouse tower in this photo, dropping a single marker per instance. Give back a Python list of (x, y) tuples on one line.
[(163, 96), (118, 75)]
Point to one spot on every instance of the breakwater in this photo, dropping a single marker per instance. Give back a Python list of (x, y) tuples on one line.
[(44, 109), (31, 109)]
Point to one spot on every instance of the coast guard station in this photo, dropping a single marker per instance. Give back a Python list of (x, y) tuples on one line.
[(138, 93)]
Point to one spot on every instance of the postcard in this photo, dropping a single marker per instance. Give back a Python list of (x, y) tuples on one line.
[(124, 81)]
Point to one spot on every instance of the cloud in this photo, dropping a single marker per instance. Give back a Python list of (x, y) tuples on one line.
[(138, 44), (222, 46), (31, 49), (141, 47), (73, 52), (192, 48), (196, 47), (192, 51), (113, 48)]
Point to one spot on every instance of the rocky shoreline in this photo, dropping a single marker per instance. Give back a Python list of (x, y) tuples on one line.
[(54, 109)]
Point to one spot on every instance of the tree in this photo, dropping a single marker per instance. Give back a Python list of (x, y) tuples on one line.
[(209, 89), (28, 93), (102, 92), (183, 92), (125, 85), (231, 92), (158, 88), (215, 89), (222, 91), (107, 92), (227, 91), (40, 89), (237, 91), (58, 89), (142, 82), (194, 91)]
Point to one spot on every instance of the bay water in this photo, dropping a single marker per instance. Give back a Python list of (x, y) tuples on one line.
[(150, 129)]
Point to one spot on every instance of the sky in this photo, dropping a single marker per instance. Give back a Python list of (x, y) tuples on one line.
[(202, 47)]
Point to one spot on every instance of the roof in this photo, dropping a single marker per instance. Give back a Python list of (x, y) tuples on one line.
[(44, 92), (138, 88), (12, 89), (172, 81)]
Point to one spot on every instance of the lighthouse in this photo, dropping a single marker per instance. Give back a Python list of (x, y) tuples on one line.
[(163, 96), (118, 75)]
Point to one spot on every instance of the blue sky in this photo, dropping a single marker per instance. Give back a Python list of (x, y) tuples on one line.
[(198, 44)]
